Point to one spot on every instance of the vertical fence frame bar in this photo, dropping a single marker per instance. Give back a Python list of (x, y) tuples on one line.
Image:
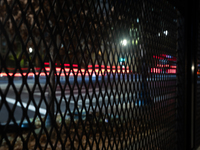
[(197, 100), (196, 31), (191, 77)]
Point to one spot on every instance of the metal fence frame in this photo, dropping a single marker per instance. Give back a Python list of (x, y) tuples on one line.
[(187, 103)]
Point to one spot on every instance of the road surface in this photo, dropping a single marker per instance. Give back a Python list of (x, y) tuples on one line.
[(115, 93)]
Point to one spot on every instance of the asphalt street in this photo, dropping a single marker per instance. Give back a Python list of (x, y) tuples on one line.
[(114, 93)]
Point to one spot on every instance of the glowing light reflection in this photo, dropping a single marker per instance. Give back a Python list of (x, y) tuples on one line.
[(68, 71)]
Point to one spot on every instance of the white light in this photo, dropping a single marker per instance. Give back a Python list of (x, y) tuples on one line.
[(30, 49), (192, 67), (124, 42), (166, 32), (158, 34)]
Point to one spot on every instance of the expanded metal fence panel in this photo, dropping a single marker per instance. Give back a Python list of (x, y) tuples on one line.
[(88, 74)]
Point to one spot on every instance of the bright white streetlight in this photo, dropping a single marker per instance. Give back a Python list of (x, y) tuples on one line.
[(124, 42), (192, 67), (166, 32), (30, 49)]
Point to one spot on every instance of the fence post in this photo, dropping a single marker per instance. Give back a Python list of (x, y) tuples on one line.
[(191, 51)]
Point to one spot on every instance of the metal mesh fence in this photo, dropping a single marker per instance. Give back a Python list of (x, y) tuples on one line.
[(88, 74)]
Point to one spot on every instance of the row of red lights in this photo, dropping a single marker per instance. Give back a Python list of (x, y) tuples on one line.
[(68, 71), (164, 56), (167, 65), (75, 70), (158, 70)]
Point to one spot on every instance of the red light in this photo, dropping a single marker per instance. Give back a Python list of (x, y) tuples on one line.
[(47, 68), (96, 70), (161, 58), (154, 70), (11, 68), (75, 65), (42, 74), (159, 65), (3, 74), (75, 70), (58, 68), (24, 68), (82, 70), (171, 71), (66, 64), (67, 69), (31, 74), (172, 59), (37, 69), (164, 55), (46, 63), (173, 66)]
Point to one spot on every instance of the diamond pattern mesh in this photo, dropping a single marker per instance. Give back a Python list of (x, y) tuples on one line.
[(88, 74)]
